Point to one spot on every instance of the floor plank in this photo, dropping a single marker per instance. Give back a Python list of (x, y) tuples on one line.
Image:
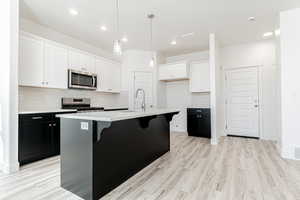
[(236, 169)]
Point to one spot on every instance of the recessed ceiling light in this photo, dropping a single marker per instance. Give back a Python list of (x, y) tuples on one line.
[(103, 28), (251, 19), (124, 39), (277, 32), (268, 34), (173, 42), (73, 12)]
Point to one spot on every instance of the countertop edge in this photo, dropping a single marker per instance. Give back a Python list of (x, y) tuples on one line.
[(112, 119)]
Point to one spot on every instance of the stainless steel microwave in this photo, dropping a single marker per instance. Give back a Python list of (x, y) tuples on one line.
[(82, 80)]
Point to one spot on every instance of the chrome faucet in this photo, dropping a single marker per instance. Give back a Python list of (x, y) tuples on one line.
[(144, 98)]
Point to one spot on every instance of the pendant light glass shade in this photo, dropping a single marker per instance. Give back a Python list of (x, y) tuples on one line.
[(152, 62), (151, 17), (117, 47)]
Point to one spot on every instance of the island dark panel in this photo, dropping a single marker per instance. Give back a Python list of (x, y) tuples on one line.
[(109, 153)]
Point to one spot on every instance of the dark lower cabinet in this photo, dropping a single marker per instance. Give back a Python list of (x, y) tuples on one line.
[(39, 137), (55, 139), (198, 122)]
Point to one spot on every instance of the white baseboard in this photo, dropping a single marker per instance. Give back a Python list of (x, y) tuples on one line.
[(178, 130), (213, 141), (288, 152), (9, 169)]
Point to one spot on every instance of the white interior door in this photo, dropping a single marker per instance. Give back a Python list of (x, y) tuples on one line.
[(143, 80), (242, 102)]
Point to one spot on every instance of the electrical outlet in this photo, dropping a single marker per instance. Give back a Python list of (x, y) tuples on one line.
[(84, 126)]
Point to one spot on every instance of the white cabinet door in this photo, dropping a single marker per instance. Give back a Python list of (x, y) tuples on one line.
[(115, 75), (101, 75), (174, 71), (178, 71), (74, 60), (199, 77), (109, 76), (81, 61), (31, 61), (56, 66), (87, 63), (164, 72)]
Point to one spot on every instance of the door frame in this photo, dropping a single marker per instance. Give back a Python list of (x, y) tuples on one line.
[(260, 95)]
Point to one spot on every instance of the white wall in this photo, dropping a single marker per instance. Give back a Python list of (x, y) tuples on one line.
[(262, 54), (177, 93), (138, 60), (290, 82), (9, 17)]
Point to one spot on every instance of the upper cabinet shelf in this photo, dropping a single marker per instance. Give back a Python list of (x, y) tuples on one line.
[(174, 71)]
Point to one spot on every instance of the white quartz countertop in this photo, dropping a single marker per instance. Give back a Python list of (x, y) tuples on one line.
[(46, 111), (110, 116)]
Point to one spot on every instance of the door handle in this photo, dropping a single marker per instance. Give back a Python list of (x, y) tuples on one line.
[(36, 118), (255, 106)]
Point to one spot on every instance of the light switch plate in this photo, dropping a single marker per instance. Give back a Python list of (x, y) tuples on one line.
[(84, 126)]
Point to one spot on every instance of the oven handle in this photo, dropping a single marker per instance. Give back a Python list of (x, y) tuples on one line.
[(94, 82)]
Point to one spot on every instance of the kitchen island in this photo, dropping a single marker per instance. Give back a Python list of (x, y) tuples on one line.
[(101, 150)]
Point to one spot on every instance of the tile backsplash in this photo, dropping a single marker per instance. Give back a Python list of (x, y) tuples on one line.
[(31, 98)]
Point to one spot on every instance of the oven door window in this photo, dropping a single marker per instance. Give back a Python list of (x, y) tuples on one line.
[(82, 80)]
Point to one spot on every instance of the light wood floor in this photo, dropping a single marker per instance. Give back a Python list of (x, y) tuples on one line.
[(236, 169)]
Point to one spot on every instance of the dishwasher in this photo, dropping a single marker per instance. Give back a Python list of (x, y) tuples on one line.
[(198, 122)]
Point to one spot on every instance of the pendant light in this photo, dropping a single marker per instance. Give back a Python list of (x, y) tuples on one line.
[(117, 42), (151, 17)]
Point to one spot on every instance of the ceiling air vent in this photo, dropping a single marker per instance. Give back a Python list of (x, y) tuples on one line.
[(297, 153)]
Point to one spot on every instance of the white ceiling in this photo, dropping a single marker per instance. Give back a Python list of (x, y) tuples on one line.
[(227, 18)]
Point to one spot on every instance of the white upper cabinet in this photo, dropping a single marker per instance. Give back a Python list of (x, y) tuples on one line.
[(200, 77), (44, 63), (174, 71), (81, 61), (31, 61), (56, 66), (109, 76)]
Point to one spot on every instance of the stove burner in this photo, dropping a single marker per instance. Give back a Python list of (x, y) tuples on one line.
[(81, 105)]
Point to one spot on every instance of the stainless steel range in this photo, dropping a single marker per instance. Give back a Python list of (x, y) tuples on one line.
[(79, 104)]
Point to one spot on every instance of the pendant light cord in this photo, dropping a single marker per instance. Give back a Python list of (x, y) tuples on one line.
[(151, 33), (151, 17), (118, 18)]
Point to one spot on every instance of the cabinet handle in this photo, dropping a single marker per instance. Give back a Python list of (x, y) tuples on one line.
[(36, 118), (54, 124)]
